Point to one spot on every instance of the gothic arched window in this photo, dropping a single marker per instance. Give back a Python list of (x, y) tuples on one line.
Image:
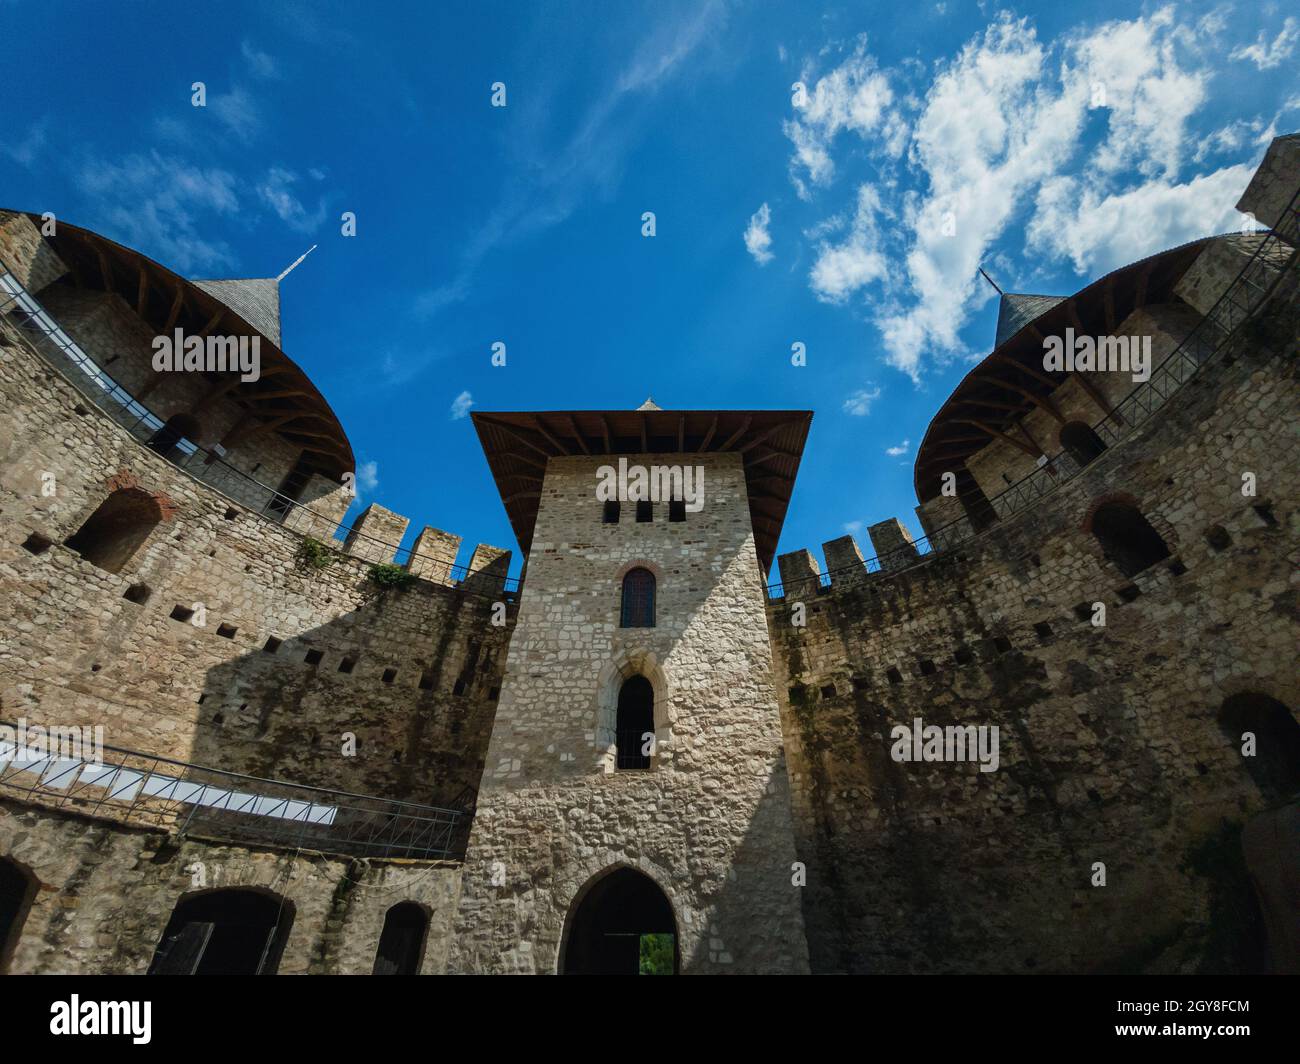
[(638, 599)]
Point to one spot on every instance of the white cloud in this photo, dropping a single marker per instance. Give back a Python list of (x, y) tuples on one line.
[(859, 403), (1099, 233), (276, 191), (854, 96), (758, 241), (841, 269), (992, 136), (367, 477), (259, 63), (25, 151), (153, 202), (1266, 55), (238, 112), (852, 527), (901, 448), (460, 406)]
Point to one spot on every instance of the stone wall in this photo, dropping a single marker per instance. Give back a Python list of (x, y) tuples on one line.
[(105, 894), (710, 820), (1111, 749), (412, 674)]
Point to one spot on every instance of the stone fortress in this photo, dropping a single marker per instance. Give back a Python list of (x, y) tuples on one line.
[(325, 754)]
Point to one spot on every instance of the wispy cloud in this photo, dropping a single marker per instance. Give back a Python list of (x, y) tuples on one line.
[(238, 112), (1267, 54), (276, 190), (899, 449), (758, 240), (155, 201), (460, 406), (259, 63), (859, 403), (549, 189), (25, 151)]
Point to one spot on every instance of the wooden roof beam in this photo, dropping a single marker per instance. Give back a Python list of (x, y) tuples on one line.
[(517, 437), (142, 292), (573, 424), (1020, 445), (744, 427), (176, 309), (708, 436), (537, 424)]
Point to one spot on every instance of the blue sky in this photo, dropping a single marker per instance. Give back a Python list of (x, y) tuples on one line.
[(931, 137)]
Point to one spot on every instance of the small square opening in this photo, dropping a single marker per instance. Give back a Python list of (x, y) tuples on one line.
[(1129, 592), (347, 664), (894, 675), (37, 544), (1176, 567), (1265, 514), (963, 656), (181, 613), (271, 645), (1001, 644), (137, 593), (226, 631), (610, 514), (645, 512), (1218, 539), (927, 667), (389, 675), (677, 510), (314, 657), (1043, 630), (459, 688), (426, 680), (828, 690)]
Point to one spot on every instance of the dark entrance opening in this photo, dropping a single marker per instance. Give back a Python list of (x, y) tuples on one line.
[(623, 926), (636, 720), (17, 889), (401, 944), (979, 511), (1081, 442), (290, 488), (224, 932), (117, 529), (1127, 538), (1275, 768), (166, 441)]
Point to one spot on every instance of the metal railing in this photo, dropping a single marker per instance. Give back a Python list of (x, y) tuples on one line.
[(178, 798), (49, 340), (1276, 256)]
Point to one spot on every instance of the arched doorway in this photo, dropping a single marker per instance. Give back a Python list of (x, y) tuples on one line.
[(1082, 443), (166, 441), (17, 888), (110, 536), (224, 932), (1275, 766), (1127, 538), (636, 720), (401, 943), (622, 924)]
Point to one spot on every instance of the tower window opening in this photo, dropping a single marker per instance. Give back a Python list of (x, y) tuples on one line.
[(1081, 442), (638, 599), (610, 513), (1127, 538), (169, 441), (645, 512), (401, 943), (634, 729)]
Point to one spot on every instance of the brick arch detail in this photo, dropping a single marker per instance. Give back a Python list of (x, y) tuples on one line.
[(125, 480)]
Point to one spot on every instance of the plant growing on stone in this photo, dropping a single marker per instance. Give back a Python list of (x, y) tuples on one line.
[(313, 554), (387, 575)]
